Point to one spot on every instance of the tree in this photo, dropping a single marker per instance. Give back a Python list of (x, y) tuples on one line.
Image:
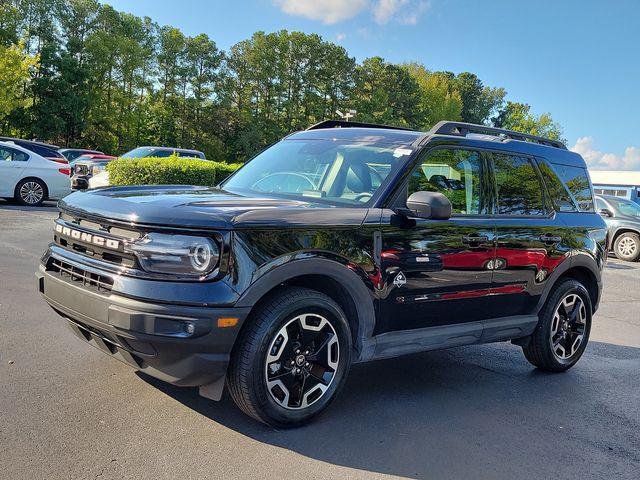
[(516, 116), (439, 100), (386, 93), (478, 101), (112, 80), (15, 66)]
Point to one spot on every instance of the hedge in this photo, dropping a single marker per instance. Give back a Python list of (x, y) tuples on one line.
[(172, 170)]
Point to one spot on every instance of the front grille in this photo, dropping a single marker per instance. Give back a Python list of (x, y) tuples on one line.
[(73, 274), (102, 253)]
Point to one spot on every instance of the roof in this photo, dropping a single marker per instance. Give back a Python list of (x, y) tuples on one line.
[(366, 135), (32, 142), (177, 149), (615, 177)]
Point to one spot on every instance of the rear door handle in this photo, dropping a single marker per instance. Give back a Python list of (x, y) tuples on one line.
[(475, 239), (550, 239)]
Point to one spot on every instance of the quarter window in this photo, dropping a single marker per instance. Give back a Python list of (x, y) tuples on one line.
[(577, 181), (557, 190), (458, 175), (518, 186)]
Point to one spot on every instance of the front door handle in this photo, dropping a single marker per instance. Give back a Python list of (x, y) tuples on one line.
[(550, 239), (474, 239)]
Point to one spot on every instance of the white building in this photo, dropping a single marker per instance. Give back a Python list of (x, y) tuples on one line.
[(625, 184)]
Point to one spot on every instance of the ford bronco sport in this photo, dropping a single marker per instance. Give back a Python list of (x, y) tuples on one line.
[(343, 243)]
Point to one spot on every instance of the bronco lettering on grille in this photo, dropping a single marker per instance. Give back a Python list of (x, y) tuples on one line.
[(88, 237)]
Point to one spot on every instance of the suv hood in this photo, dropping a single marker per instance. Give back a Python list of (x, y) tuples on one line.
[(204, 207)]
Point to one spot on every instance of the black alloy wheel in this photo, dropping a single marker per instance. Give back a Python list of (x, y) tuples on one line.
[(562, 333), (291, 358), (302, 361)]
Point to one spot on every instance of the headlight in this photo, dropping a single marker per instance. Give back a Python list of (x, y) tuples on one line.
[(176, 254), (97, 169)]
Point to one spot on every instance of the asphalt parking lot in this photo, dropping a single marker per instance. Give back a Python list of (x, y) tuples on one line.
[(68, 411)]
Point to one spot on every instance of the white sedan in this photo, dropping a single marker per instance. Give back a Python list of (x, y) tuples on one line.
[(30, 178)]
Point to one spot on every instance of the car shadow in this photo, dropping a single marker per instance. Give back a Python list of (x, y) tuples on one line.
[(619, 266), (475, 412), (47, 206)]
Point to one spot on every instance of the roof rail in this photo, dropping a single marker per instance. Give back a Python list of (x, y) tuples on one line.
[(463, 129), (345, 124)]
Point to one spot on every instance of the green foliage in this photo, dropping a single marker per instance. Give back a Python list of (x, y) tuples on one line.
[(172, 170), (114, 81), (516, 116), (14, 76), (387, 94), (439, 99), (479, 102)]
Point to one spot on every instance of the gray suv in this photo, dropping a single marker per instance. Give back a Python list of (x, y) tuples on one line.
[(623, 222)]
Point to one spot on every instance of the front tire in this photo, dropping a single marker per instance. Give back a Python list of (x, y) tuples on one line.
[(31, 192), (627, 246), (563, 330), (292, 359)]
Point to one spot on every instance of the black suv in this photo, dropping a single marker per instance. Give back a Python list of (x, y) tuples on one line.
[(340, 244)]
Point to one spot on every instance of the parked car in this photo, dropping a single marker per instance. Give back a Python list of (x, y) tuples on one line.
[(159, 152), (335, 246), (623, 221), (30, 178), (85, 167), (101, 179), (72, 153), (44, 150)]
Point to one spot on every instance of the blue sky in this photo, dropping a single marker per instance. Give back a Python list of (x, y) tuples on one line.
[(577, 60)]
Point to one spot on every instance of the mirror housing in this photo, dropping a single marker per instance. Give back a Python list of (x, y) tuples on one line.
[(432, 205), (605, 212)]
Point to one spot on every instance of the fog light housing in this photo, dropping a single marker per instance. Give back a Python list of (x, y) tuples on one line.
[(189, 328)]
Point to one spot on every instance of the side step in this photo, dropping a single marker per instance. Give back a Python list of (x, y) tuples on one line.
[(393, 344)]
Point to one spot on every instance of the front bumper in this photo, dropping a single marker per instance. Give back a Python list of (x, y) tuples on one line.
[(80, 182), (179, 344)]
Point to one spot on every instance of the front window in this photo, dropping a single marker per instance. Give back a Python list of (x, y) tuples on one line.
[(626, 207), (334, 171), (458, 174), (11, 155)]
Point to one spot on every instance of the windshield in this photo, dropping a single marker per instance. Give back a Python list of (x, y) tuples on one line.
[(626, 207), (333, 171)]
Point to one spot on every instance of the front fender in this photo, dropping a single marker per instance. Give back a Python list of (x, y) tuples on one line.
[(352, 283)]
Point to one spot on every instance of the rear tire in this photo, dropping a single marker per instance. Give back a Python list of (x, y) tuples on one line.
[(292, 358), (31, 192), (563, 330), (627, 246)]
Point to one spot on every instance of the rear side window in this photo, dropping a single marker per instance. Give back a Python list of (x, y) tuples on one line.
[(44, 151), (518, 186), (577, 181), (188, 154), (162, 153)]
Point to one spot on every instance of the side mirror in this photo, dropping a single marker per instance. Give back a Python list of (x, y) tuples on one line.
[(431, 205), (605, 212)]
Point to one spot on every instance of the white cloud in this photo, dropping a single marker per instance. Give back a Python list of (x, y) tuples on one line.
[(385, 10), (412, 17), (607, 161), (404, 12), (327, 11), (341, 36)]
